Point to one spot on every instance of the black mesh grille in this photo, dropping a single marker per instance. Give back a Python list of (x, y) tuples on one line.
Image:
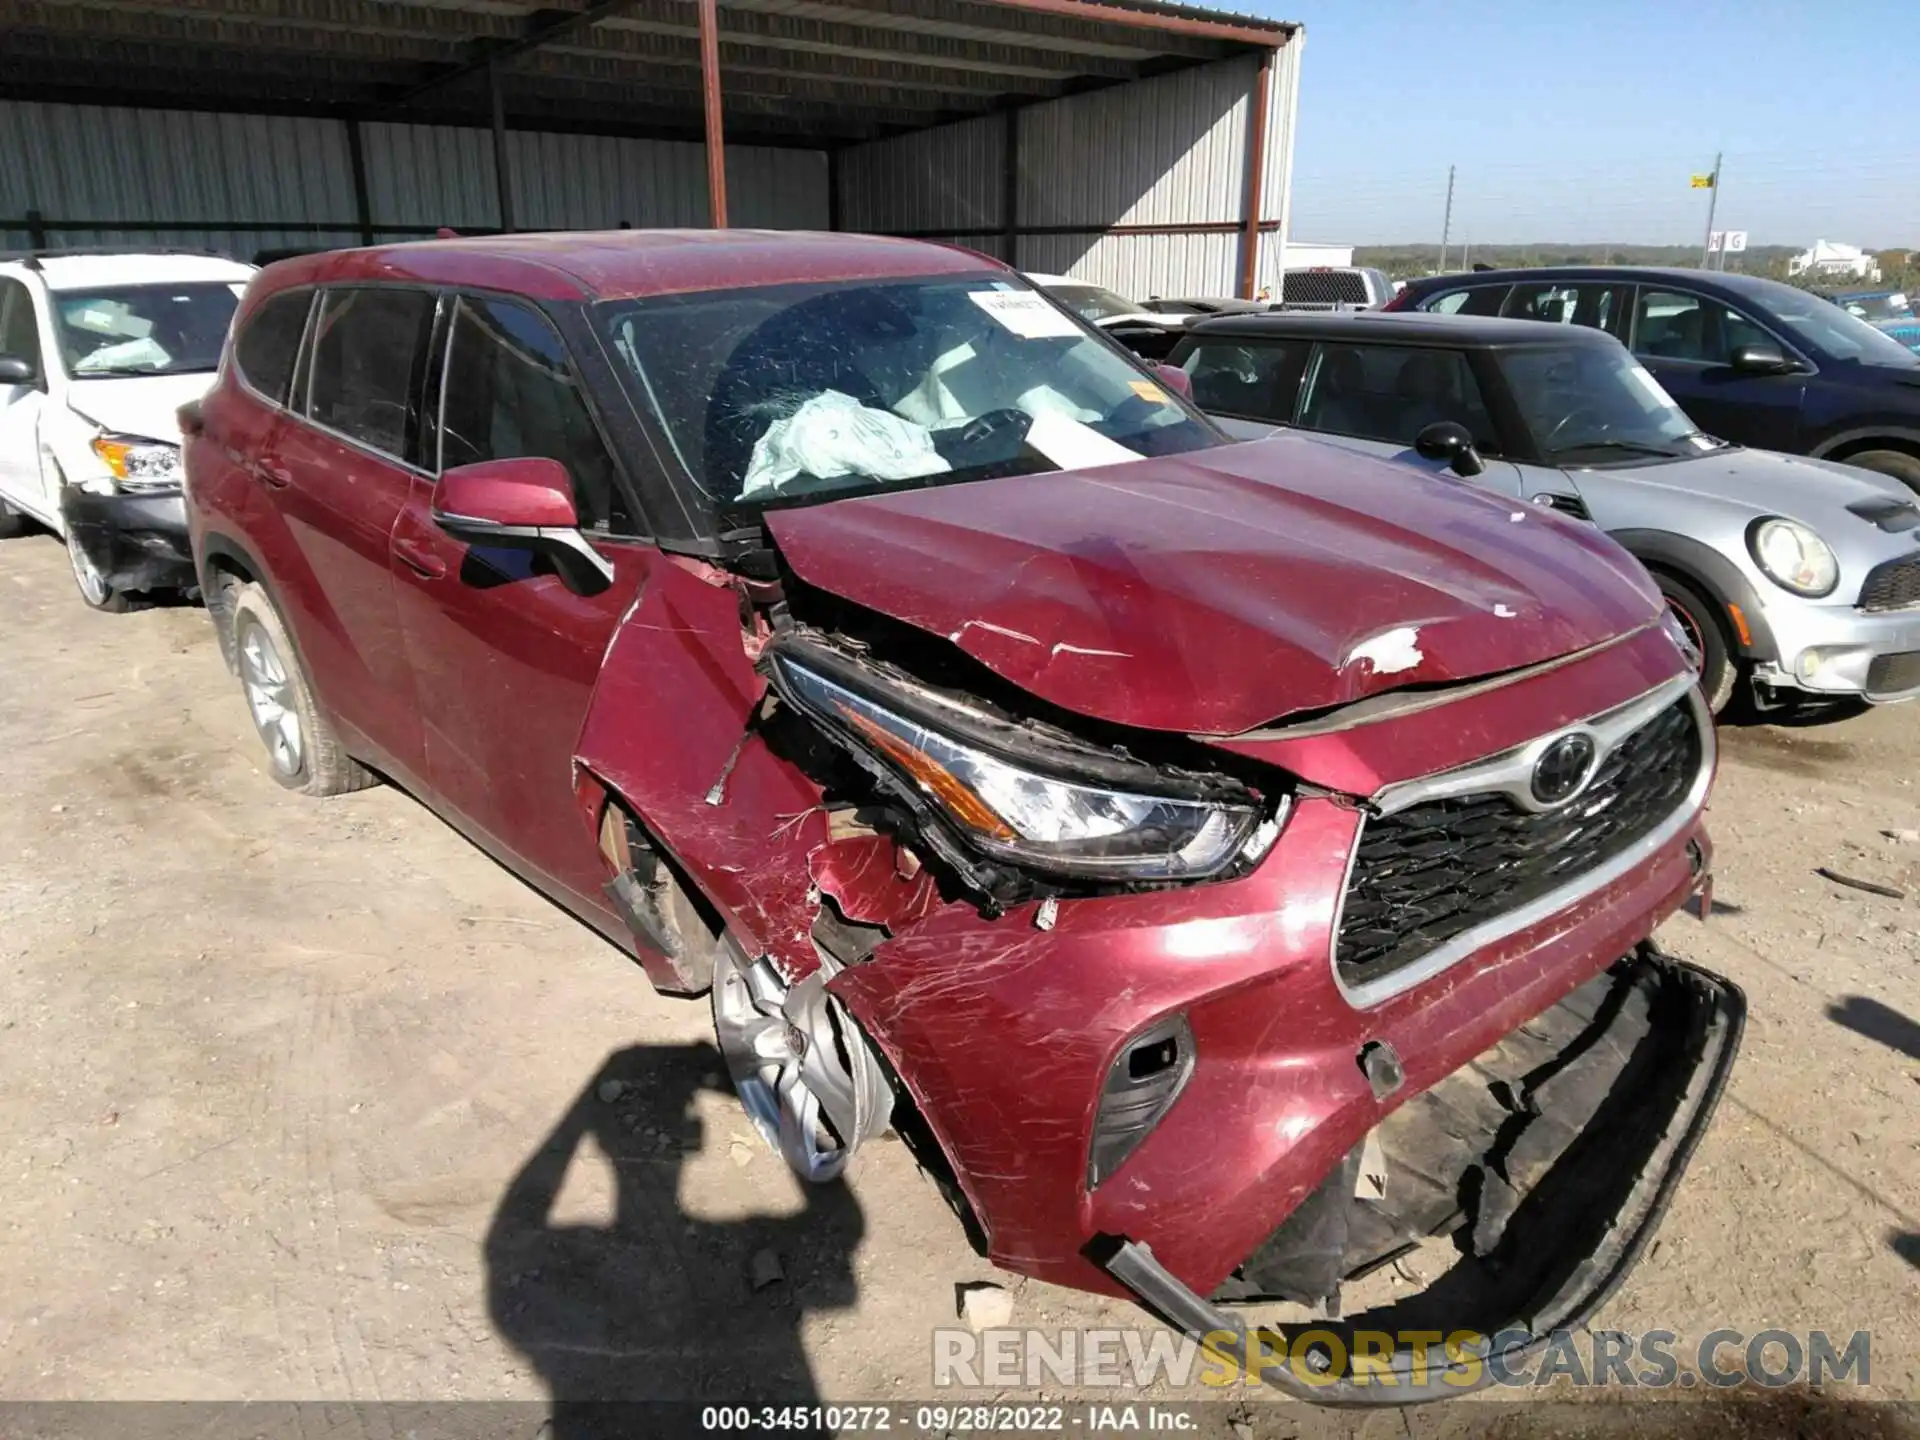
[(1324, 287), (1425, 874), (1890, 674), (1893, 585)]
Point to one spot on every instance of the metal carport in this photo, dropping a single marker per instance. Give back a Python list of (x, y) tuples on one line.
[(1143, 144)]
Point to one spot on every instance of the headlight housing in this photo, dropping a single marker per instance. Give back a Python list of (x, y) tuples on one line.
[(1793, 557), (1009, 810), (139, 466)]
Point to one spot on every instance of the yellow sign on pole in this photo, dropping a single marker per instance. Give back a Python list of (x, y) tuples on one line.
[(1703, 182)]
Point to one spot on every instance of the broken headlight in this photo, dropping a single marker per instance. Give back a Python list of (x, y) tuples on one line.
[(1020, 814)]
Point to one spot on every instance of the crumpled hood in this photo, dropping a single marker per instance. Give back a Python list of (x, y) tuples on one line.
[(138, 405), (1811, 491), (1216, 591)]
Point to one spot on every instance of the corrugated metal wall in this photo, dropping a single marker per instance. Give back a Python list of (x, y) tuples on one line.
[(950, 178), (1169, 151), (120, 167), (423, 174)]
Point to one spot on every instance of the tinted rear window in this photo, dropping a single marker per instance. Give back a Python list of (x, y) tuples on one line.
[(1476, 300), (270, 342), (366, 343), (1251, 379)]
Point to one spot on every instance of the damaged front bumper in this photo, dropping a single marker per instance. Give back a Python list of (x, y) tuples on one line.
[(136, 542), (1547, 1163)]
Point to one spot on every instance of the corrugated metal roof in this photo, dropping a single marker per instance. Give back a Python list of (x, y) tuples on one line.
[(797, 72)]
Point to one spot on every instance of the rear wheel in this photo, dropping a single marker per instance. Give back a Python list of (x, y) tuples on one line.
[(12, 522), (1901, 466), (1700, 618), (302, 750)]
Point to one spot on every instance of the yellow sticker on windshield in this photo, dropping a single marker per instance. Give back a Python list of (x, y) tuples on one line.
[(1148, 391)]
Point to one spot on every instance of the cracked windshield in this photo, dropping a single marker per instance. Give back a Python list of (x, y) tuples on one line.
[(143, 329), (801, 392)]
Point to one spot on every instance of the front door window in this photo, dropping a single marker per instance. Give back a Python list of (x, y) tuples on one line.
[(1671, 325)]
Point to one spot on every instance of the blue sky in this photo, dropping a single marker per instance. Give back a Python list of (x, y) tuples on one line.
[(1582, 121)]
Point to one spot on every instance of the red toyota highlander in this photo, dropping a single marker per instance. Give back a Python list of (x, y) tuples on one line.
[(1233, 865)]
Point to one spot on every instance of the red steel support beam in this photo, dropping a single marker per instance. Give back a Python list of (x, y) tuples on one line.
[(710, 92), (1256, 176)]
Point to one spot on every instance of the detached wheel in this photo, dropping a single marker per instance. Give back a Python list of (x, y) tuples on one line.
[(302, 750), (804, 1072), (1700, 618), (92, 584), (1902, 467)]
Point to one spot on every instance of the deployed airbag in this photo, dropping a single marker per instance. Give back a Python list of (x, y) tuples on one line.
[(833, 435)]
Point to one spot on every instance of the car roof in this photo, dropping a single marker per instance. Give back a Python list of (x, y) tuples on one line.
[(85, 272), (626, 264), (1409, 327), (1629, 274)]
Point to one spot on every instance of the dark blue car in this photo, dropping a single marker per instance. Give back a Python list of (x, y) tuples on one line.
[(1889, 311), (1750, 360)]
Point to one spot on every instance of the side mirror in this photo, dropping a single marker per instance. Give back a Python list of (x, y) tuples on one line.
[(524, 504), (1761, 358), (18, 370), (1175, 379), (1450, 441)]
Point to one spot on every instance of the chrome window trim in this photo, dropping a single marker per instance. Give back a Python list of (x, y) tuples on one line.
[(1510, 773)]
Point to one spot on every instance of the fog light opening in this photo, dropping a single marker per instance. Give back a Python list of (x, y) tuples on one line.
[(1141, 1086)]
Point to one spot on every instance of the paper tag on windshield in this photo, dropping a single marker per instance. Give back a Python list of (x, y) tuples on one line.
[(1148, 391), (1025, 314)]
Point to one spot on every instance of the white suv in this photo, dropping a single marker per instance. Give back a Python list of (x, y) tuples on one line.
[(97, 352)]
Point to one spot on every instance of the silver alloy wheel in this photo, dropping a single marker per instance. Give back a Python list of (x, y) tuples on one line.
[(276, 715), (809, 1082), (86, 574)]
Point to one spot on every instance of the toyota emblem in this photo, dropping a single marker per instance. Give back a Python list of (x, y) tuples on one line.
[(1563, 768)]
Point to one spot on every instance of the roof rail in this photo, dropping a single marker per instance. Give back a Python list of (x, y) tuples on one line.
[(32, 258)]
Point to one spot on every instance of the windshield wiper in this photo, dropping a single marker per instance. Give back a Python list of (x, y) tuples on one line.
[(124, 372), (1630, 447)]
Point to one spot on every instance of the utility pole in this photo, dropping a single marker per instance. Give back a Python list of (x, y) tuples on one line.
[(1713, 202), (1446, 225)]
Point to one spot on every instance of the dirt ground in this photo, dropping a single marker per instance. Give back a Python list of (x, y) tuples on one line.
[(311, 1100)]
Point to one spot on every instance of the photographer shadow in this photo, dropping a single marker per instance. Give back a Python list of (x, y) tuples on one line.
[(655, 1304)]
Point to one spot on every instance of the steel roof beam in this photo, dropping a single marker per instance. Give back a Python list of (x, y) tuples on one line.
[(542, 27), (765, 30)]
